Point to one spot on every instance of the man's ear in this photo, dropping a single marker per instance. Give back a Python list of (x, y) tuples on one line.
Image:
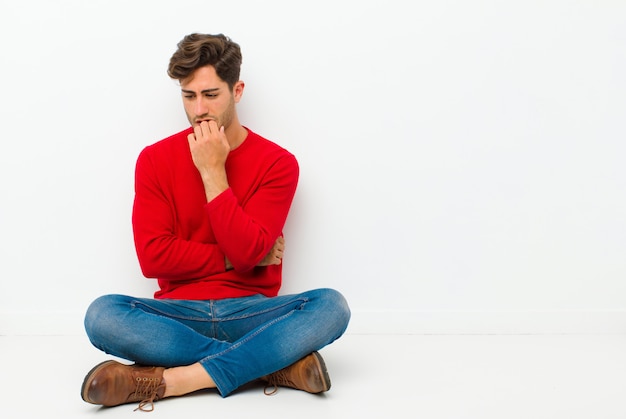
[(238, 90)]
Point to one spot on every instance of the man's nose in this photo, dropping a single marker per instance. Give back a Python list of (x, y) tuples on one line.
[(200, 107)]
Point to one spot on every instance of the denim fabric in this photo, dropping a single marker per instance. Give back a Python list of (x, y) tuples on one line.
[(236, 340)]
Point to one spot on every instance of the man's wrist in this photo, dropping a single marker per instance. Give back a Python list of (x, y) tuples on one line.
[(214, 185)]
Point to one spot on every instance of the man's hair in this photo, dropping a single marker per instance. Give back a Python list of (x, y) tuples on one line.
[(199, 50)]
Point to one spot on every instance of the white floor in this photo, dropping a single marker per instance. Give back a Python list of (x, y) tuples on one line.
[(417, 376)]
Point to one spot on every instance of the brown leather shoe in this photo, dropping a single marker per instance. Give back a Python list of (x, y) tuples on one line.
[(308, 374), (111, 383)]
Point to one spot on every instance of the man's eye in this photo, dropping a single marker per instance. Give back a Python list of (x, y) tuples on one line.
[(188, 97), (210, 95)]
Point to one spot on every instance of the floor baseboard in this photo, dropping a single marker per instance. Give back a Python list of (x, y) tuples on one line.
[(384, 322)]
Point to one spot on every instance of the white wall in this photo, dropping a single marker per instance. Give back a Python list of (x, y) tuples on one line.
[(461, 161)]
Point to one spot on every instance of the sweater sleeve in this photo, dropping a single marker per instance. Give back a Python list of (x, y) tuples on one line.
[(160, 252), (247, 233)]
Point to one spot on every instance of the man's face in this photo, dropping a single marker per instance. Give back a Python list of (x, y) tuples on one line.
[(207, 97)]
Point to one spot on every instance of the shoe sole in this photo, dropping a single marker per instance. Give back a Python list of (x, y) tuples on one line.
[(87, 381), (325, 377)]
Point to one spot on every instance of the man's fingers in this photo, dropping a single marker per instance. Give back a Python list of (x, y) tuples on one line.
[(199, 132), (212, 125), (204, 129)]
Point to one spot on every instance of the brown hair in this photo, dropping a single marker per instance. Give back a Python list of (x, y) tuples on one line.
[(199, 50)]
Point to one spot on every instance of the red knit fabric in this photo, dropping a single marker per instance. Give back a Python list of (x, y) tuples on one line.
[(182, 240)]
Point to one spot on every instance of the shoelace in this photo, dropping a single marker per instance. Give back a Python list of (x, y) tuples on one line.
[(146, 391), (279, 378)]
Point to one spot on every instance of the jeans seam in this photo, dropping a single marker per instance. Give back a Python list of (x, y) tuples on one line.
[(208, 318), (303, 301)]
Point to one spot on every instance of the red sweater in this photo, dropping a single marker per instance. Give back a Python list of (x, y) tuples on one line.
[(182, 240)]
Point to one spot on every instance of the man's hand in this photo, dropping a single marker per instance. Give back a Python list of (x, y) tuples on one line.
[(274, 257), (209, 149)]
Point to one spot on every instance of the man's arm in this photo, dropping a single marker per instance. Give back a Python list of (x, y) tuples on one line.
[(274, 257), (160, 251), (246, 236), (209, 149), (246, 232)]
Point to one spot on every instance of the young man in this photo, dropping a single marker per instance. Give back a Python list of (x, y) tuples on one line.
[(210, 205)]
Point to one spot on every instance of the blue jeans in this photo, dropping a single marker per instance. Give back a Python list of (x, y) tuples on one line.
[(236, 340)]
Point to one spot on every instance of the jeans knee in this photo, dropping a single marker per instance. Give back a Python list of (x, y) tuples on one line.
[(98, 315), (338, 308)]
